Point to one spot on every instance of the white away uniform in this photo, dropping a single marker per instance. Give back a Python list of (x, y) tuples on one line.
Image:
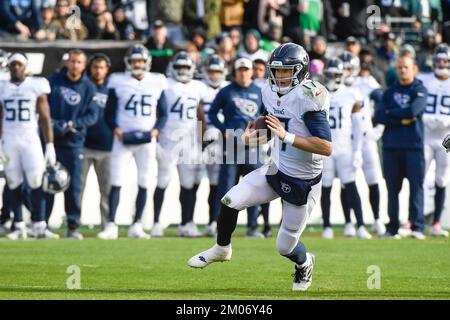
[(371, 159), (179, 139), (254, 189), (437, 125), (21, 142), (136, 111)]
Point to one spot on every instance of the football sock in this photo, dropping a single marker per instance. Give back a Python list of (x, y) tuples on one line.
[(114, 197), (354, 202), (158, 198), (345, 206), (374, 197), (49, 199), (37, 205), (193, 202), (298, 255), (186, 200), (211, 197), (325, 204), (16, 203), (226, 223), (439, 199), (141, 200), (6, 208), (265, 213)]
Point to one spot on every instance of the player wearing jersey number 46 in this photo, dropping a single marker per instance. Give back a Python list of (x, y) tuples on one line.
[(298, 118)]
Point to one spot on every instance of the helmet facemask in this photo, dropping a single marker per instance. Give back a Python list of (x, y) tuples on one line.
[(183, 72), (332, 78), (441, 66), (285, 84), (213, 80), (138, 71)]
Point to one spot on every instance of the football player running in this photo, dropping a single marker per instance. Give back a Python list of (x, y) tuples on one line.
[(24, 107), (437, 125), (298, 118), (136, 111), (346, 129), (179, 142)]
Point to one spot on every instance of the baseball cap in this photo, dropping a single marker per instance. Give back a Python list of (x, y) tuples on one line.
[(243, 63), (351, 39), (158, 24), (19, 57)]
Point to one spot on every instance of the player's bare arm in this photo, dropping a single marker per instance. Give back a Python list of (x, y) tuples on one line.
[(45, 121), (310, 144)]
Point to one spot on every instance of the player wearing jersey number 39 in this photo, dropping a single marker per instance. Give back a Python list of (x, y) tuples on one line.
[(298, 118), (22, 100)]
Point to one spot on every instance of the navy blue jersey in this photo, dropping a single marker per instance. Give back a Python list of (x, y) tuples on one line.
[(100, 136), (402, 102), (239, 106), (75, 102)]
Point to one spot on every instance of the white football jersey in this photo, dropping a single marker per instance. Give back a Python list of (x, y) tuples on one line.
[(183, 100), (366, 84), (19, 104), (289, 109), (208, 99), (137, 99), (437, 113), (341, 105)]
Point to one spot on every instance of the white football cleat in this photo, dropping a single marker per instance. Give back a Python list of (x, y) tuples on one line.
[(215, 254), (211, 229), (379, 227), (437, 231), (3, 229), (405, 230), (328, 233), (303, 274), (418, 235), (182, 230), (111, 232), (349, 230), (20, 231), (362, 233), (50, 235), (38, 229), (157, 230), (136, 231), (192, 230)]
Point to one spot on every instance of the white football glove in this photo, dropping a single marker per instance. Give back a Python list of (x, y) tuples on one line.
[(375, 133), (357, 159), (50, 154), (446, 143)]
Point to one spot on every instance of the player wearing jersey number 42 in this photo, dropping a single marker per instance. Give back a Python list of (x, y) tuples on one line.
[(298, 118)]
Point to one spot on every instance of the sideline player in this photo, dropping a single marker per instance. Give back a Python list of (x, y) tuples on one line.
[(24, 105), (298, 117), (135, 98)]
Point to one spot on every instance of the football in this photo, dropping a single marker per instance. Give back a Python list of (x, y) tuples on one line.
[(261, 125)]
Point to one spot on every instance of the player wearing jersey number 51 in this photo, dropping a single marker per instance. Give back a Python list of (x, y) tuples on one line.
[(21, 99), (298, 117)]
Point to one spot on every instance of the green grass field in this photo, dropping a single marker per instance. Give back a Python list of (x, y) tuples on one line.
[(157, 269)]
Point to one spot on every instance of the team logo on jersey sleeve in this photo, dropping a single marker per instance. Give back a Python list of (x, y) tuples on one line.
[(247, 107), (70, 96), (402, 99)]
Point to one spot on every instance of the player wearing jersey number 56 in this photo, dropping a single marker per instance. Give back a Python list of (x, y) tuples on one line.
[(22, 98), (136, 112), (298, 117)]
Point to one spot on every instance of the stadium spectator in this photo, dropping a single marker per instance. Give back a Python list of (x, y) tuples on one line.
[(350, 18), (48, 25), (20, 20), (124, 27), (310, 18), (291, 25), (271, 11), (386, 55), (400, 110), (171, 14), (353, 45), (87, 18), (366, 57), (203, 14), (250, 16), (226, 49), (446, 21), (273, 38), (425, 52), (160, 47), (73, 108), (318, 49), (236, 37), (252, 44), (99, 137), (66, 30), (105, 21), (232, 14), (259, 72)]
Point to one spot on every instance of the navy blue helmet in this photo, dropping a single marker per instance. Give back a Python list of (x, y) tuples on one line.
[(183, 67), (288, 56), (333, 73), (56, 179), (214, 63), (351, 66), (138, 52), (441, 60)]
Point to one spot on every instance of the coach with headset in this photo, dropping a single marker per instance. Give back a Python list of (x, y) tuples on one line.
[(99, 137)]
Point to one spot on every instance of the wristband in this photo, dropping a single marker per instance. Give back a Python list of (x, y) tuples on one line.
[(289, 138)]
